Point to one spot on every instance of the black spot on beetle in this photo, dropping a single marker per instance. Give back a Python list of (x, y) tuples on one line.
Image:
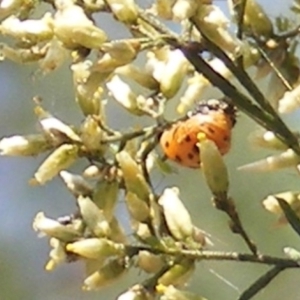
[(195, 149), (188, 138), (178, 158), (191, 156), (211, 130), (226, 138)]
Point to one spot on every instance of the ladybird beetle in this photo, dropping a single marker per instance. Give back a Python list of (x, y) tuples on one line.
[(215, 118)]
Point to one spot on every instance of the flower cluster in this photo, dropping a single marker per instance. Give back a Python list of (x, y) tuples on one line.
[(120, 162)]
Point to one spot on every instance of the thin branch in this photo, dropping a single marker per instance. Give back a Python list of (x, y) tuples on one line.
[(241, 75), (228, 206), (240, 18), (261, 282), (288, 34), (118, 136), (147, 132), (240, 24), (218, 256), (159, 26), (274, 68), (151, 283)]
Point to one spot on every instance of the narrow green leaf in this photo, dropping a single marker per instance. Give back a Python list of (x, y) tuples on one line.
[(290, 215)]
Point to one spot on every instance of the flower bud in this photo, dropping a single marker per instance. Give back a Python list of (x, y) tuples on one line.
[(292, 253), (213, 166), (92, 135), (197, 85), (156, 62), (150, 263), (139, 76), (95, 248), (105, 196), (88, 87), (290, 101), (127, 48), (55, 129), (130, 295), (156, 215), (141, 231), (138, 209), (213, 23), (137, 292), (56, 54), (184, 9), (133, 177), (262, 25), (9, 7), (124, 10), (92, 172), (94, 6), (201, 237), (54, 229), (28, 31), (57, 254), (76, 184), (107, 64), (178, 274), (172, 293), (117, 233), (173, 73), (195, 88), (219, 66), (271, 204), (266, 139), (124, 95), (93, 216), (21, 56), (93, 265), (117, 54), (81, 71), (163, 8), (60, 159), (286, 159), (27, 145), (176, 215), (251, 55), (125, 51), (74, 29), (106, 275)]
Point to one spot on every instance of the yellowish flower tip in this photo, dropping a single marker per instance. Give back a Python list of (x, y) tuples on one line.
[(201, 137), (50, 265), (70, 247), (160, 288), (40, 112), (33, 182)]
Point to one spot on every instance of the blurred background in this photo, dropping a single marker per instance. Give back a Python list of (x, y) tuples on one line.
[(23, 255)]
